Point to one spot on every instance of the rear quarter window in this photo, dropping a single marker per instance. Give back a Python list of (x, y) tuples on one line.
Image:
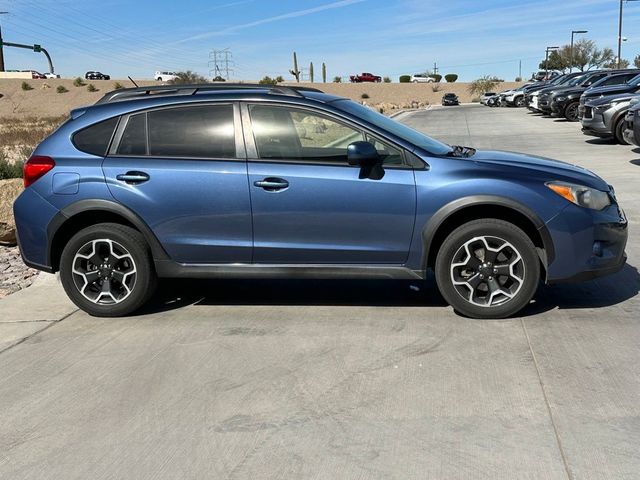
[(96, 138)]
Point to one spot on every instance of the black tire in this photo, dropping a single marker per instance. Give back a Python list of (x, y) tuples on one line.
[(571, 111), (519, 102), (618, 131), (130, 253), (512, 296)]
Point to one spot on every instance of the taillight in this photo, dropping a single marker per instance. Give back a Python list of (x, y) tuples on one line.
[(36, 167)]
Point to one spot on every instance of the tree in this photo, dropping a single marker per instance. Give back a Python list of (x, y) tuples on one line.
[(613, 64), (483, 85), (187, 78), (585, 56), (636, 61)]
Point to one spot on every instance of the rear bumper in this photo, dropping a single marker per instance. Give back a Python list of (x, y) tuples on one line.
[(33, 215), (588, 244)]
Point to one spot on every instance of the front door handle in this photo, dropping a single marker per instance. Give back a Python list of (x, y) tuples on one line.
[(133, 178), (271, 184)]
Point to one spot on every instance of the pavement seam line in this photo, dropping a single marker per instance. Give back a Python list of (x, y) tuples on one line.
[(546, 401), (51, 324)]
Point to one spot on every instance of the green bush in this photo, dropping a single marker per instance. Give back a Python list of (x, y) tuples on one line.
[(405, 79), (26, 86), (451, 77), (61, 89), (483, 85), (118, 86), (78, 82), (518, 79), (337, 79), (436, 77), (91, 88), (386, 80), (364, 95), (10, 170), (267, 80), (187, 78)]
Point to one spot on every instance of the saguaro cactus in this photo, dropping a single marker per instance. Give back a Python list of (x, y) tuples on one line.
[(324, 73), (295, 72), (311, 72)]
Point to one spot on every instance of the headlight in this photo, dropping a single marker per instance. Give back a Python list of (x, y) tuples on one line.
[(583, 196), (560, 99), (604, 108)]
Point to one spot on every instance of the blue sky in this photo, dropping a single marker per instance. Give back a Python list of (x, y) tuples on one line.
[(387, 37)]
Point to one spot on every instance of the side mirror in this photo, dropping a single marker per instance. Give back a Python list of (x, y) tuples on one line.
[(362, 154)]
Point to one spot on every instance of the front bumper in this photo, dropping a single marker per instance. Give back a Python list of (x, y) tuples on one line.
[(588, 243), (595, 126)]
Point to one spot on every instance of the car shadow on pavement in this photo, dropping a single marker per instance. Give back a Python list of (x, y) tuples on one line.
[(598, 293), (173, 294)]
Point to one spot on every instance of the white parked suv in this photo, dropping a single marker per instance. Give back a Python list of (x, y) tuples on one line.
[(421, 78), (165, 76)]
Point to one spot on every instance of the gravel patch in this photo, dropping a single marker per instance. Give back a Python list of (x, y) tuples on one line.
[(14, 274)]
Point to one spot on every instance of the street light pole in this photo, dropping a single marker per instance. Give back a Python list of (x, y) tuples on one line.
[(1, 51), (573, 32), (546, 60), (620, 33)]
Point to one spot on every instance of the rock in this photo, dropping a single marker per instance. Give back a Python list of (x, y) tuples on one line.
[(9, 191)]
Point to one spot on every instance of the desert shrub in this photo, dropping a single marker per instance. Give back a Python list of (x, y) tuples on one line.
[(364, 95), (482, 85), (26, 86), (61, 89), (386, 80), (91, 88), (78, 82), (435, 87), (337, 79), (267, 80), (186, 78), (118, 86), (9, 170), (451, 77), (405, 79), (518, 79), (436, 77)]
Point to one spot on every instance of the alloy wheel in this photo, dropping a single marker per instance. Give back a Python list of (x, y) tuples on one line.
[(487, 271), (104, 272)]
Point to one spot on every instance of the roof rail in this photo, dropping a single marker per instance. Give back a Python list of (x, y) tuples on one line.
[(166, 90)]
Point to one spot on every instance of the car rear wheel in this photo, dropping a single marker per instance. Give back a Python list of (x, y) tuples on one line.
[(107, 270), (571, 112), (487, 268), (619, 132)]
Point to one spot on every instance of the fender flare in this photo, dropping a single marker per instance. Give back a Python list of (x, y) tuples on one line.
[(440, 216), (99, 205)]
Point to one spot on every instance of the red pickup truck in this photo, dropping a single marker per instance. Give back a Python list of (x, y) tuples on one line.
[(365, 77)]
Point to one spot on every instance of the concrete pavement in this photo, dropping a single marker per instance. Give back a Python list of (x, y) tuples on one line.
[(367, 380)]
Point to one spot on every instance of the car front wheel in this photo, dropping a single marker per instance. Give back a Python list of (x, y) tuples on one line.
[(619, 132), (107, 270), (571, 112), (487, 268)]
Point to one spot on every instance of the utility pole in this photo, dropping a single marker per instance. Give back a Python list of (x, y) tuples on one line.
[(520, 70), (546, 60), (1, 46)]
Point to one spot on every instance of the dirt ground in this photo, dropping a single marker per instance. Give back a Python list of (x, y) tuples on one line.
[(45, 101)]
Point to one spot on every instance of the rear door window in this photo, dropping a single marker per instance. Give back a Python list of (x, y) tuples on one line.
[(202, 132), (134, 137), (96, 138)]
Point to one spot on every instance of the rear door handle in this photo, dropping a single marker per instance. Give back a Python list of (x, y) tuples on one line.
[(133, 178), (271, 184)]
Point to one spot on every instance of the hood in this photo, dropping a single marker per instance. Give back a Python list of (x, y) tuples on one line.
[(611, 90), (546, 169), (568, 91), (620, 97)]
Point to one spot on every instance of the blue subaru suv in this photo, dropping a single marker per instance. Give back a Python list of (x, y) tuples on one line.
[(249, 181)]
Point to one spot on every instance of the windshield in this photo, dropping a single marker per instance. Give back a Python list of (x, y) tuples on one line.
[(635, 81), (578, 80), (398, 129)]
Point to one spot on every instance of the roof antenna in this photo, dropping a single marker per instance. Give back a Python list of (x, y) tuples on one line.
[(133, 81)]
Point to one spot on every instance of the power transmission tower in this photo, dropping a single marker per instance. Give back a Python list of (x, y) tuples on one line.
[(1, 52), (220, 63), (435, 68)]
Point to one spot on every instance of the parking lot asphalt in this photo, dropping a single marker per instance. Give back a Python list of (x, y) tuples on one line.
[(337, 380)]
